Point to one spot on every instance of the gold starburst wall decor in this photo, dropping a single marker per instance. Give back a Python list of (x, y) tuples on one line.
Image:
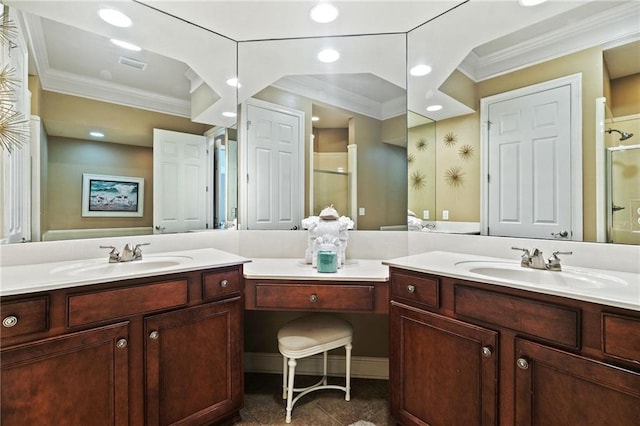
[(8, 79), (450, 139), (422, 144), (8, 29), (454, 177), (417, 180), (466, 152), (411, 158), (14, 130)]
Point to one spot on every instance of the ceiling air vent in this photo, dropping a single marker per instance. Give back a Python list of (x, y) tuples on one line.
[(132, 63)]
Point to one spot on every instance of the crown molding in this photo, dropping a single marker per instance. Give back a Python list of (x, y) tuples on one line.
[(617, 23)]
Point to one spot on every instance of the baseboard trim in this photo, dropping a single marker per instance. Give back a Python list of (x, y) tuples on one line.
[(361, 367)]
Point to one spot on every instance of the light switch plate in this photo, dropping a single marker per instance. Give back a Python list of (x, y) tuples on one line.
[(445, 214), (361, 211), (425, 214)]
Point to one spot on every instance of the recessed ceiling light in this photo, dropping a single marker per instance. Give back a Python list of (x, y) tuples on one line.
[(229, 114), (126, 45), (233, 82), (328, 55), (323, 13), (314, 118), (114, 17), (96, 134), (420, 70), (433, 108), (526, 3)]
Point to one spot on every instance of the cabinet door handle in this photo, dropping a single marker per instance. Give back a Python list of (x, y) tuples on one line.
[(522, 363), (154, 335), (10, 321), (411, 288), (487, 351), (121, 343), (224, 283), (313, 298)]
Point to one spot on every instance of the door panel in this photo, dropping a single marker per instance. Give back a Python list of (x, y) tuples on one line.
[(180, 181), (530, 164), (275, 184)]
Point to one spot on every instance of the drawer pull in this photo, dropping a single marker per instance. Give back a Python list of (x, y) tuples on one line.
[(224, 283), (411, 288), (10, 321), (154, 335), (313, 298), (121, 343), (522, 363), (487, 351)]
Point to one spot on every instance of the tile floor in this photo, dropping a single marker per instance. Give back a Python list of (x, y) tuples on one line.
[(263, 403)]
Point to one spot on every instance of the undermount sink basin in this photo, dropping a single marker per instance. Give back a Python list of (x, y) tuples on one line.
[(568, 277), (102, 267)]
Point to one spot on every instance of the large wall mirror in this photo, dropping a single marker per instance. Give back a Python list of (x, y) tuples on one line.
[(81, 83), (513, 48), (427, 161)]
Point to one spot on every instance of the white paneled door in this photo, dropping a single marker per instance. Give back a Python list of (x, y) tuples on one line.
[(179, 181), (529, 165), (275, 182)]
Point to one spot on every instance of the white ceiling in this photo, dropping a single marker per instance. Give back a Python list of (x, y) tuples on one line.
[(487, 37)]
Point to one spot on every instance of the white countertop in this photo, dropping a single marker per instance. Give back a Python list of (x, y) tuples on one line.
[(24, 279), (297, 269), (624, 293)]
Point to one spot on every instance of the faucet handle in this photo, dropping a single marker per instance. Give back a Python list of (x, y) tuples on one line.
[(137, 252), (525, 261), (554, 260), (114, 256)]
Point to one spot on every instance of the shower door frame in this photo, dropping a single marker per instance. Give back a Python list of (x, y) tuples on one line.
[(609, 185)]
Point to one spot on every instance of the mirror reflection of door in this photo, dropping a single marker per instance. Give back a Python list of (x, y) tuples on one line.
[(275, 169), (623, 168), (180, 181), (529, 163)]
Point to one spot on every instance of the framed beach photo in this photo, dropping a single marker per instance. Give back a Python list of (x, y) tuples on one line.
[(112, 196)]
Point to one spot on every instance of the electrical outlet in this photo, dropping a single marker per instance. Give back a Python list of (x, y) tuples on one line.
[(445, 214), (361, 211), (425, 214)]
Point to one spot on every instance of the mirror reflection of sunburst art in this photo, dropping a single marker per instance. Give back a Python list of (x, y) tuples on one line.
[(417, 180), (454, 176), (8, 79), (8, 29), (422, 144), (411, 158), (13, 129), (450, 139), (466, 152)]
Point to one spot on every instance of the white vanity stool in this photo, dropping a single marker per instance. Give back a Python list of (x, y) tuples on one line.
[(310, 335)]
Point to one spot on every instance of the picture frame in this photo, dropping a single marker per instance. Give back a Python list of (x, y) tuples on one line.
[(112, 196)]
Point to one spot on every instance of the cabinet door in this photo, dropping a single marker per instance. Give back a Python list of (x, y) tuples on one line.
[(194, 364), (557, 387), (443, 371), (76, 379)]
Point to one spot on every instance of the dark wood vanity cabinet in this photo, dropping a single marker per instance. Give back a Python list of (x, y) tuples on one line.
[(472, 353), (160, 351)]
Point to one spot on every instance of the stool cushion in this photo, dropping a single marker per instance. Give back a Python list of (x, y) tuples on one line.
[(313, 334)]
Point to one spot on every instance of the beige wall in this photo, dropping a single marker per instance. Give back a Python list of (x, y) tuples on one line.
[(330, 140), (422, 165), (70, 158), (462, 201), (625, 95)]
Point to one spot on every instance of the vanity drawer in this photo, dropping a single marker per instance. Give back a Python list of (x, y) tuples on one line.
[(621, 337), (553, 323), (124, 302), (218, 284), (414, 290), (24, 317), (327, 297)]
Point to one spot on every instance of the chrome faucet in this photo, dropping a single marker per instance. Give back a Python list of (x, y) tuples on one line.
[(535, 259), (128, 254)]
